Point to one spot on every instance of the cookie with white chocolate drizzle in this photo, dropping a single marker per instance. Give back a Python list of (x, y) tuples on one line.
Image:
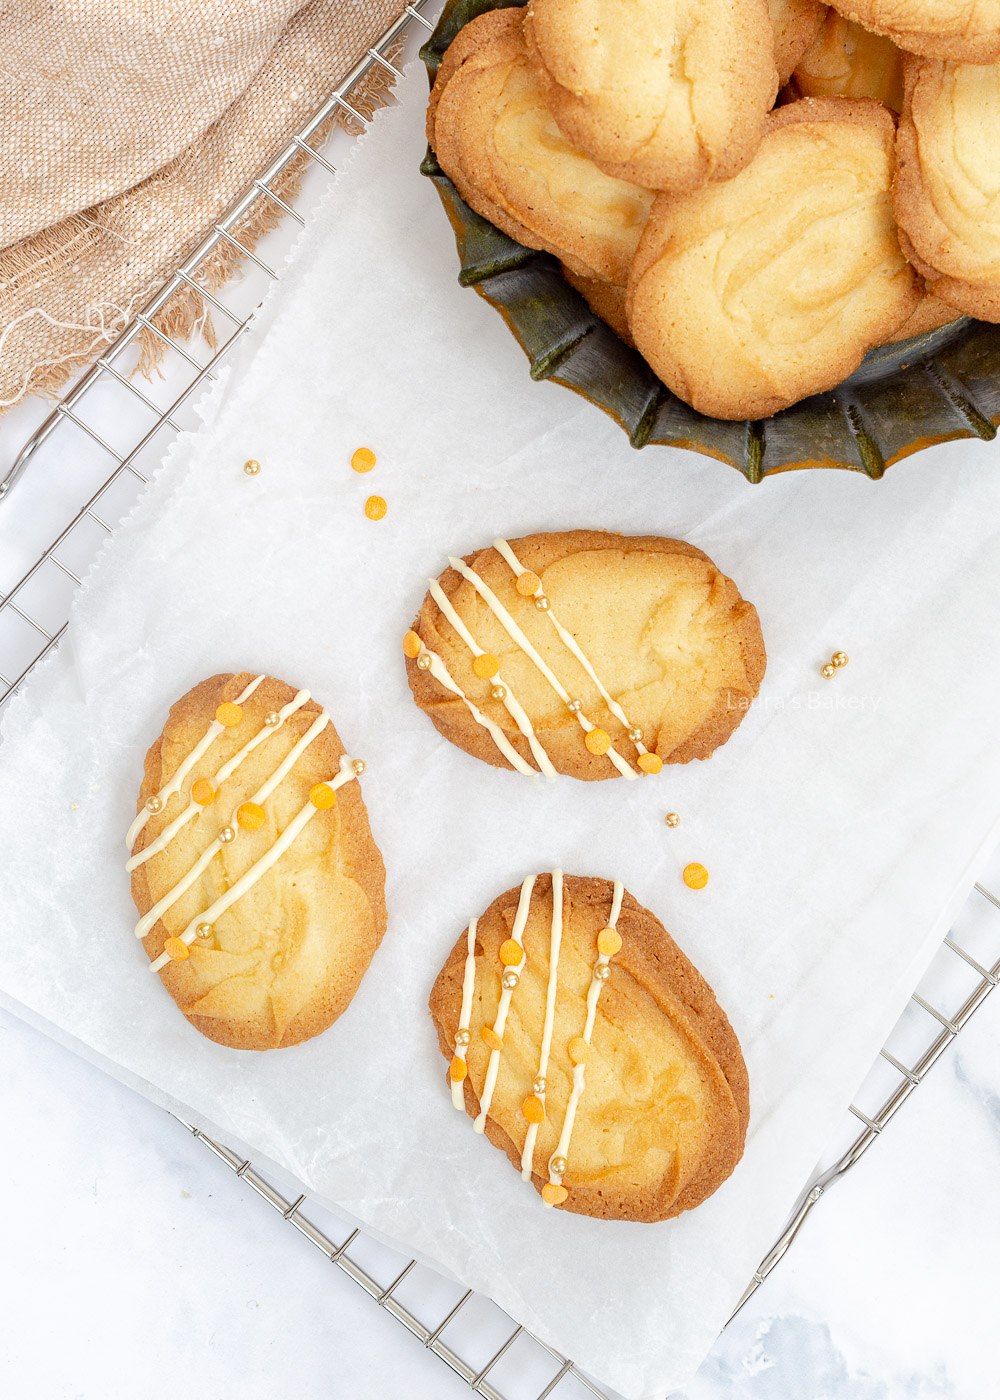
[(582, 1042), (585, 653), (259, 888)]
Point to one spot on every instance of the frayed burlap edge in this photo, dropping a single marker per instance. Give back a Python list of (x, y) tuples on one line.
[(188, 313)]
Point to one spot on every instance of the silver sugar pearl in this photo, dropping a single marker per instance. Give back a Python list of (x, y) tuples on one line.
[(499, 692), (510, 979), (462, 1037), (557, 1166), (358, 766), (602, 972), (539, 1085), (542, 603), (204, 931), (155, 804), (635, 734), (423, 661), (227, 834), (574, 706), (272, 719)]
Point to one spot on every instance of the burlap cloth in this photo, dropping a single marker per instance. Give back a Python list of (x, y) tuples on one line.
[(127, 128)]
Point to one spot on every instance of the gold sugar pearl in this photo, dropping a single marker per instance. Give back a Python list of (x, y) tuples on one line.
[(828, 670), (509, 980), (672, 819), (602, 972), (499, 692), (272, 719), (363, 459), (424, 661), (839, 658), (463, 1037), (574, 706), (154, 805), (635, 734), (539, 1085), (557, 1166), (204, 930), (226, 835), (251, 467), (358, 767), (542, 603), (375, 507)]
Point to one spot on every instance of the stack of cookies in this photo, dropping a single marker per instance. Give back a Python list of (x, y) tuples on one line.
[(752, 194)]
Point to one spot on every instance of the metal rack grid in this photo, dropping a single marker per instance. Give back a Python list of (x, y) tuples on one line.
[(33, 617)]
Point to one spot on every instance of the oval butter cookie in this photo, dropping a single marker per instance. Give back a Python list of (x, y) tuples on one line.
[(749, 295), (965, 30), (665, 93), (587, 1047), (586, 653), (947, 190), (260, 890), (847, 61), (497, 141), (796, 25)]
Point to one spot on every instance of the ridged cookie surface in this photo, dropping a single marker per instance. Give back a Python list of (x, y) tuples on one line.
[(845, 60), (495, 138), (751, 294), (666, 93), (947, 190), (585, 653), (261, 891), (967, 31), (584, 1044), (796, 25)]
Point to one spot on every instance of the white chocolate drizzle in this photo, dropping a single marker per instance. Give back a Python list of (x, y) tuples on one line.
[(259, 797), (567, 638), (580, 1070), (441, 673), (510, 701), (250, 877), (226, 771), (555, 943), (468, 988), (506, 993), (174, 785), (517, 635)]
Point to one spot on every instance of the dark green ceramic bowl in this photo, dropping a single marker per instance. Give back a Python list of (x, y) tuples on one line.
[(902, 398)]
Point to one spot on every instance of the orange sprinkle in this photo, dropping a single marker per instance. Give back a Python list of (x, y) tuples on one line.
[(176, 949), (553, 1195), (491, 1038), (650, 762), (533, 1109), (375, 507), (203, 792), (229, 714), (411, 645), (609, 941), (598, 741), (511, 952), (695, 876), (363, 459), (527, 583), (322, 796), (250, 816), (578, 1050), (485, 666), (458, 1069)]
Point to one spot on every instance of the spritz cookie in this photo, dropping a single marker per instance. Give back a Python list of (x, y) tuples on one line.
[(965, 30), (260, 891), (665, 93), (947, 191), (845, 60), (589, 654), (495, 138), (585, 1045), (796, 25), (749, 295)]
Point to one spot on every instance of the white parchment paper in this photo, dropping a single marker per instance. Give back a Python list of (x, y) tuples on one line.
[(841, 825)]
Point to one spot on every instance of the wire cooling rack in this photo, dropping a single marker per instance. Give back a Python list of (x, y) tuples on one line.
[(481, 1344)]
